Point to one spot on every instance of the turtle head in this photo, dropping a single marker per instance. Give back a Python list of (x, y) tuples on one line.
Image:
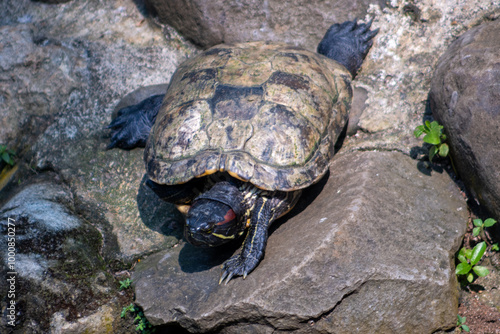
[(211, 223)]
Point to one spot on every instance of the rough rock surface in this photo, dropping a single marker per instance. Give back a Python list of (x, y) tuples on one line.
[(57, 257), (377, 227), (38, 75), (85, 69), (465, 98), (209, 23), (101, 51)]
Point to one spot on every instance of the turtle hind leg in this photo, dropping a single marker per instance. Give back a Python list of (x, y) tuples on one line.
[(132, 125), (348, 43)]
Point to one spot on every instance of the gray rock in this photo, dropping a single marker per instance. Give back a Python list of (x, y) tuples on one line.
[(56, 258), (465, 98), (107, 50), (80, 70), (373, 252), (53, 1), (37, 77), (298, 22)]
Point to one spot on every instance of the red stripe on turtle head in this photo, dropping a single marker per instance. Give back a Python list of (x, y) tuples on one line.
[(230, 215)]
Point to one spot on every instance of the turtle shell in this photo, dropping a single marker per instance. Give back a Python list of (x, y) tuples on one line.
[(268, 114)]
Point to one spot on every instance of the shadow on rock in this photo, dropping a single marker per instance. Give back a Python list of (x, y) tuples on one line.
[(195, 259), (158, 215)]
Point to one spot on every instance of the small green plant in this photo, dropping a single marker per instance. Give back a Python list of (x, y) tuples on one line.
[(6, 154), (480, 225), (143, 325), (125, 284), (461, 323), (468, 262), (495, 247), (129, 308), (433, 135)]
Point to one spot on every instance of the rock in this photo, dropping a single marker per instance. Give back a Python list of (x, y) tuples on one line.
[(373, 252), (93, 66), (465, 98), (37, 77), (298, 22), (56, 257), (99, 322), (101, 51), (53, 1), (399, 67)]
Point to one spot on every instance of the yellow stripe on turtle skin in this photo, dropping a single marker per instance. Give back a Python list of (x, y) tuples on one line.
[(221, 236), (264, 200)]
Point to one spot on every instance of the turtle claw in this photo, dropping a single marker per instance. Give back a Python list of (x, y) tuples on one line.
[(236, 266), (348, 43), (132, 124)]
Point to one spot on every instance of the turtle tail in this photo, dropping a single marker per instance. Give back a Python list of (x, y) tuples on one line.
[(348, 43)]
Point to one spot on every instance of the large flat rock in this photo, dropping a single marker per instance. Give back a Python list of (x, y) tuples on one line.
[(373, 252)]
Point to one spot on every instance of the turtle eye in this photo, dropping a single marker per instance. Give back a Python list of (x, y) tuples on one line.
[(229, 216)]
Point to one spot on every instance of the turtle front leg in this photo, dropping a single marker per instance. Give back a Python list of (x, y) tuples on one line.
[(254, 244), (266, 210), (131, 127)]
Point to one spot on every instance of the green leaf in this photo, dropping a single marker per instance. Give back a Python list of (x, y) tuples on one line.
[(478, 252), (419, 130), (470, 278), (436, 127), (475, 231), (465, 328), (477, 222), (427, 126), (432, 138), (432, 152), (495, 247), (489, 222), (481, 271), (443, 150), (461, 257), (443, 138), (462, 268), (6, 157), (126, 309), (467, 253), (460, 320)]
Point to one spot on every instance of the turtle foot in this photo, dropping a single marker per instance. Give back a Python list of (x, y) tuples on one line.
[(131, 127), (237, 265), (348, 43)]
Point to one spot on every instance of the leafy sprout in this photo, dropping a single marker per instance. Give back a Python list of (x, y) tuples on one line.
[(468, 262), (125, 284), (461, 323), (143, 325), (480, 225), (433, 135)]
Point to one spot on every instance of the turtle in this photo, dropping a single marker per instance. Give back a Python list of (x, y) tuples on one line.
[(242, 129)]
